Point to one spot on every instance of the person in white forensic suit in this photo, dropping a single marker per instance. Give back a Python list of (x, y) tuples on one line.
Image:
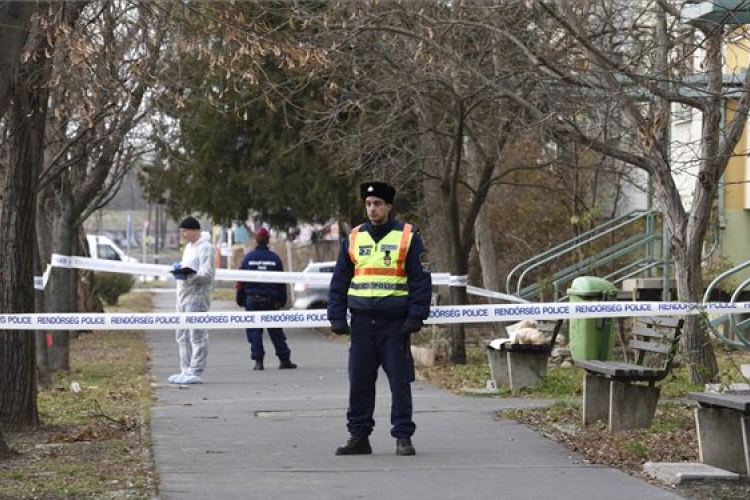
[(195, 275)]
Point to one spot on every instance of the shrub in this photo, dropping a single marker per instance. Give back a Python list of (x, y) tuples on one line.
[(110, 286)]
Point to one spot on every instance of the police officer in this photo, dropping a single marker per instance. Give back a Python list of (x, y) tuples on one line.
[(381, 277), (260, 296)]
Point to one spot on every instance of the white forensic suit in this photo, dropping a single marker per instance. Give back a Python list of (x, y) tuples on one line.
[(194, 295)]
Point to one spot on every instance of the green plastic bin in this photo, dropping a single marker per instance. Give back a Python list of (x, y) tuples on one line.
[(591, 338)]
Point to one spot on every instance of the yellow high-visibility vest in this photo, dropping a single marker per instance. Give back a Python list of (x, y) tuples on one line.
[(379, 268)]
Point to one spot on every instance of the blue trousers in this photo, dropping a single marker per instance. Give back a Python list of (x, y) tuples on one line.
[(255, 336), (377, 342)]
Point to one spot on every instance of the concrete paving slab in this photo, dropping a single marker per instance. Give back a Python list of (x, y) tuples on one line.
[(272, 435), (679, 472)]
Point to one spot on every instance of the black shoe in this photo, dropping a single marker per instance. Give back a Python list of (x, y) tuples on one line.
[(287, 365), (404, 447), (258, 365), (356, 445)]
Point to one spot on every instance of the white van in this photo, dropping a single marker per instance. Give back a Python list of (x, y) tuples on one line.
[(102, 247)]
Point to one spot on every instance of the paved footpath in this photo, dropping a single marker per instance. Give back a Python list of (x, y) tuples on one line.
[(272, 435)]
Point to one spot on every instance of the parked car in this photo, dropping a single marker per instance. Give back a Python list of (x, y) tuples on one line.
[(313, 294), (102, 247)]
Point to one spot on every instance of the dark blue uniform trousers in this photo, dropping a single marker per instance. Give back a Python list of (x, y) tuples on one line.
[(379, 342), (255, 336)]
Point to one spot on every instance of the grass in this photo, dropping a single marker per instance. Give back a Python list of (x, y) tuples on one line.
[(94, 441)]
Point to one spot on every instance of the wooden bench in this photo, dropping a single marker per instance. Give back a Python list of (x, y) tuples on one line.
[(522, 365), (625, 394), (723, 425)]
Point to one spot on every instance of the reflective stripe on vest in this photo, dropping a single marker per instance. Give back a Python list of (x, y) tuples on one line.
[(379, 268)]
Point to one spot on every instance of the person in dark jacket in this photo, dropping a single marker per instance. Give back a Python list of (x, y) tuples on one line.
[(382, 278), (259, 296)]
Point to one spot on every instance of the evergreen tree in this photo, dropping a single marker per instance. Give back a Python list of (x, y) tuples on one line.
[(235, 145)]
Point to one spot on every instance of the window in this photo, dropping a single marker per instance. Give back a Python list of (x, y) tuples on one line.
[(107, 252)]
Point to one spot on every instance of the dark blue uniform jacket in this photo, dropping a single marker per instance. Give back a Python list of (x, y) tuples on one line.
[(263, 259), (418, 278)]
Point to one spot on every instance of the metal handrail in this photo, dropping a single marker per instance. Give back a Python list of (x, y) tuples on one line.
[(640, 266), (738, 329), (569, 273), (573, 243), (592, 262)]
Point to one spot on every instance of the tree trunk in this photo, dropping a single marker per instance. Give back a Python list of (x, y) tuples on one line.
[(482, 225), (684, 230), (696, 342), (458, 330), (18, 382), (43, 369), (61, 293), (42, 357), (449, 186), (483, 234), (42, 257), (14, 16), (459, 265)]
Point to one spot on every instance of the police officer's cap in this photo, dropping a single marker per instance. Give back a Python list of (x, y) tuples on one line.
[(381, 190)]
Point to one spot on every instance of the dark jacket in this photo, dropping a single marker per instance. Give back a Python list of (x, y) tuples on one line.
[(418, 278), (263, 259)]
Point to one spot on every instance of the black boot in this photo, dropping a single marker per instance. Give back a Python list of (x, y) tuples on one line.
[(287, 365), (404, 447), (258, 364), (356, 445)]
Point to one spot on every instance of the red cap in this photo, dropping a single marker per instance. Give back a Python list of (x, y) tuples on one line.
[(261, 235)]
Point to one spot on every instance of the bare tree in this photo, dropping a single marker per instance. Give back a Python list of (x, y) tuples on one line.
[(411, 112), (97, 103), (94, 136), (600, 73)]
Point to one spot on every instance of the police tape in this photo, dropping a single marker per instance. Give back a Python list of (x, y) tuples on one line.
[(439, 315), (164, 272)]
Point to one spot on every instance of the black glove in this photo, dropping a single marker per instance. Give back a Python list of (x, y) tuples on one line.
[(239, 294), (240, 298), (411, 325), (340, 327)]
